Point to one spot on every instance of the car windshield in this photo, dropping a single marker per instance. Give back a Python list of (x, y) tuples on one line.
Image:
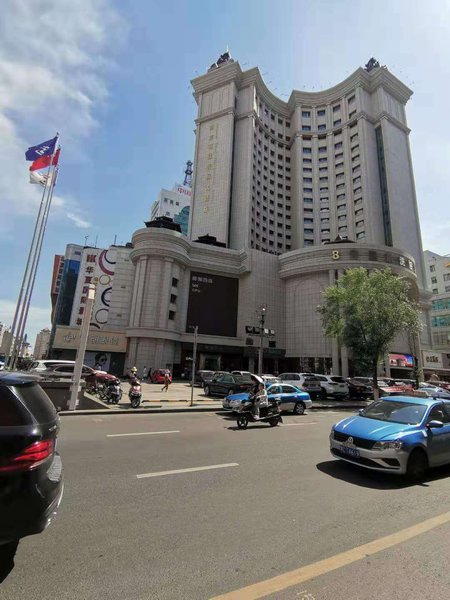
[(406, 413)]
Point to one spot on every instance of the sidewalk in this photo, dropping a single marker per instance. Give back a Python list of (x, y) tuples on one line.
[(155, 401)]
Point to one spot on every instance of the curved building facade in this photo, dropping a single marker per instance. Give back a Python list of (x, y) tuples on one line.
[(275, 184)]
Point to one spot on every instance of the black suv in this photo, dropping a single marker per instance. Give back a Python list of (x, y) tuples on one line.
[(224, 384), (31, 483)]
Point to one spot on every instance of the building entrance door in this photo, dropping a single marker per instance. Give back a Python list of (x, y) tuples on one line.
[(210, 362)]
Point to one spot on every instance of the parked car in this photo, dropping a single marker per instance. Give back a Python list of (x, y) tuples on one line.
[(400, 434), (288, 397), (357, 389), (270, 379), (53, 369), (224, 384), (436, 392), (31, 481), (332, 385), (203, 376), (158, 375), (390, 387), (306, 382)]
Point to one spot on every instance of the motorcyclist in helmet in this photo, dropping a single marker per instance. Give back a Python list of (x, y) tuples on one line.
[(133, 377)]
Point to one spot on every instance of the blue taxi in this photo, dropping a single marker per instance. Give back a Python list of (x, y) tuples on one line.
[(288, 397)]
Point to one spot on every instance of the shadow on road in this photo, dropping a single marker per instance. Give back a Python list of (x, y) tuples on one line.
[(376, 479), (7, 553)]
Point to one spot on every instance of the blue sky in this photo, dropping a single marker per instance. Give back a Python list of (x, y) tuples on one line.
[(113, 78)]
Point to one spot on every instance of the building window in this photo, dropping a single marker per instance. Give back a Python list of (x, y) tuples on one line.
[(307, 161), (307, 170), (321, 112), (172, 315), (306, 150), (308, 200), (321, 127), (433, 280), (435, 290), (322, 160), (351, 99), (432, 268), (446, 277), (173, 298), (307, 180), (322, 148), (337, 122), (306, 113), (306, 128), (336, 108), (361, 235), (174, 282)]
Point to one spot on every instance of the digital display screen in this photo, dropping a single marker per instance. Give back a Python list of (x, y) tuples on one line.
[(401, 360), (213, 302)]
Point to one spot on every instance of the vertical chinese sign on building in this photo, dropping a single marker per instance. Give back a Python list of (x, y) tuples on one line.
[(211, 166), (97, 266)]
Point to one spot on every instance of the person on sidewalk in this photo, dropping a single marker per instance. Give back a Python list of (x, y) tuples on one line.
[(166, 383), (144, 373)]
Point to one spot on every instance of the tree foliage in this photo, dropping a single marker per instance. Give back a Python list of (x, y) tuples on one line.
[(366, 310)]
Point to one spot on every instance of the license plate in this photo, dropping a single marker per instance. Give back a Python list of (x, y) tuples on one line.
[(354, 452)]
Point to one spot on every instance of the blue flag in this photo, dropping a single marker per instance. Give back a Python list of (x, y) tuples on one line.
[(44, 149)]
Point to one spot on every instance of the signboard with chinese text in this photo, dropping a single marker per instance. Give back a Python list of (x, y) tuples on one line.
[(213, 302), (68, 338), (432, 360)]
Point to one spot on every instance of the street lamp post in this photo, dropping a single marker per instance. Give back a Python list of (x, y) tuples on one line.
[(194, 363), (262, 319), (84, 332)]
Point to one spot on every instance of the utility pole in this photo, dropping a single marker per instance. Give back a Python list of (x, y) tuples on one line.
[(194, 363), (262, 319), (84, 332)]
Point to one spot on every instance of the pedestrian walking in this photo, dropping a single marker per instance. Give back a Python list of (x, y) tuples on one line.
[(165, 387), (144, 373)]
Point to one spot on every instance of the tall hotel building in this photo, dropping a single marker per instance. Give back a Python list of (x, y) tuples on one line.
[(286, 196)]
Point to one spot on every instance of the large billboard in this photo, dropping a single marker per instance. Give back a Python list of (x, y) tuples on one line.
[(213, 302), (401, 360)]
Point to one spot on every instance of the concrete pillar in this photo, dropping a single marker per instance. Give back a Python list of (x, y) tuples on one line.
[(334, 342), (251, 364)]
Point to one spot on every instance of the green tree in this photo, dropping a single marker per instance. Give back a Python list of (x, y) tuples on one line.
[(366, 310)]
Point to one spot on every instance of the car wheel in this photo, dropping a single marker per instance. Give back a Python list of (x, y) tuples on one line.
[(207, 390), (417, 465), (242, 421), (299, 408), (323, 394)]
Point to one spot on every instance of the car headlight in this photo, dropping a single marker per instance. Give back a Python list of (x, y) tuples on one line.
[(395, 445)]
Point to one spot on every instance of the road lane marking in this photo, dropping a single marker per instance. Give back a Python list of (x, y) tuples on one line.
[(190, 470), (111, 435), (295, 424), (297, 576)]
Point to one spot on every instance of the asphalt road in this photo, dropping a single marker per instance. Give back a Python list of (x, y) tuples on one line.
[(281, 504)]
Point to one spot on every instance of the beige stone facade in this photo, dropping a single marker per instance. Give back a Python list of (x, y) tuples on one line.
[(275, 182)]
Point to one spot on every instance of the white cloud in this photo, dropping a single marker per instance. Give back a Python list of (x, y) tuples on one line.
[(38, 318), (53, 58)]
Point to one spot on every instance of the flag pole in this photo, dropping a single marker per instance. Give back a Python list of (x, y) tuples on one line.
[(37, 251), (39, 248), (11, 345)]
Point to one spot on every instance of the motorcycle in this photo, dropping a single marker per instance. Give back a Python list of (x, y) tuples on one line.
[(135, 393), (113, 392), (267, 414)]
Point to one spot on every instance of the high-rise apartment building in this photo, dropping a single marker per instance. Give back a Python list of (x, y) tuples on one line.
[(42, 344), (58, 266), (438, 279), (279, 176), (286, 196), (175, 204)]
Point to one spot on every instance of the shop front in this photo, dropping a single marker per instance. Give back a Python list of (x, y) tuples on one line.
[(436, 363), (105, 349)]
